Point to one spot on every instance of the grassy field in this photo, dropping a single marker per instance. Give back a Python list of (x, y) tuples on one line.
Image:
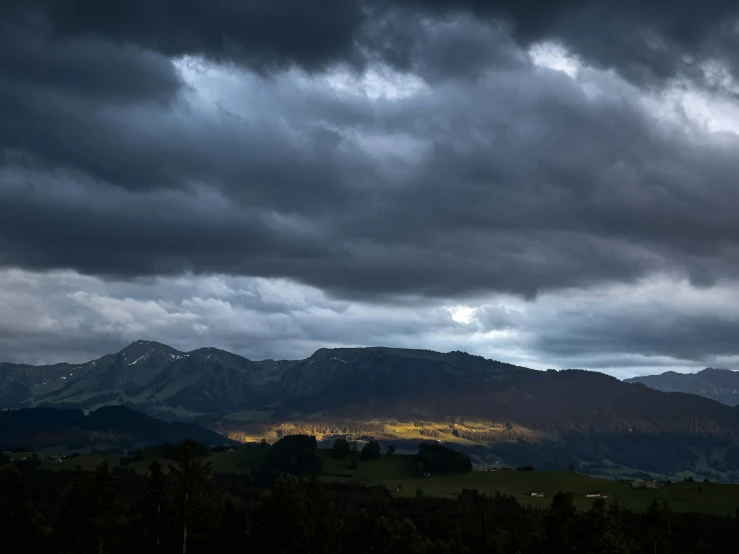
[(393, 472), (236, 461)]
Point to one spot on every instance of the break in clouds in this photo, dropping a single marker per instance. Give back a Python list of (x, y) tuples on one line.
[(552, 184)]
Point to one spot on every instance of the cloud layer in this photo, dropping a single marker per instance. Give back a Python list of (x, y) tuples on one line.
[(625, 330), (399, 157)]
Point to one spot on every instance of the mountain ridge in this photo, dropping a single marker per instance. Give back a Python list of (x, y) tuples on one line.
[(721, 385), (145, 364), (497, 411)]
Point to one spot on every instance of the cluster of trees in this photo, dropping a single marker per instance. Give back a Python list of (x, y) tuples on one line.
[(138, 456), (506, 433), (294, 454), (370, 451), (432, 457), (433, 432), (347, 428), (343, 449), (187, 509)]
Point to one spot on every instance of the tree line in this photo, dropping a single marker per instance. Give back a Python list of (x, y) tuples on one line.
[(186, 508)]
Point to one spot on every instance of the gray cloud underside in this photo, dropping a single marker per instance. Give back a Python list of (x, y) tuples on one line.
[(496, 175), (625, 330)]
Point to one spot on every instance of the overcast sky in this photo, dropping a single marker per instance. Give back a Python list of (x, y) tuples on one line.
[(548, 183)]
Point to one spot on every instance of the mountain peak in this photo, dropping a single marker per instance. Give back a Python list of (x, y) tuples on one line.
[(142, 347), (145, 343), (211, 352)]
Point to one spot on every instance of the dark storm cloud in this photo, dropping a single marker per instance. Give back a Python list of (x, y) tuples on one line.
[(452, 167), (496, 176), (661, 322), (31, 53), (645, 41), (120, 146), (116, 235), (264, 35), (684, 336), (508, 191)]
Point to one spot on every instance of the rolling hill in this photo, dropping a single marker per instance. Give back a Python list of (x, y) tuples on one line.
[(36, 428), (718, 384), (492, 410)]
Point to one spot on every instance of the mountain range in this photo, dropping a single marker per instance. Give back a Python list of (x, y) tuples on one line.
[(717, 384), (497, 412)]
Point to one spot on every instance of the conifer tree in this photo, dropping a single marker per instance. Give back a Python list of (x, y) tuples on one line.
[(17, 524), (277, 518), (91, 515), (155, 508), (191, 477)]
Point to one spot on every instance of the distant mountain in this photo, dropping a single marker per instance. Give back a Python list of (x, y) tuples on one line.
[(717, 384), (210, 381), (136, 364), (207, 384), (36, 428), (333, 378), (101, 380), (496, 411), (19, 382)]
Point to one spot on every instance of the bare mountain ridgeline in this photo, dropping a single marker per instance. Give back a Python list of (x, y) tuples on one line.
[(553, 418)]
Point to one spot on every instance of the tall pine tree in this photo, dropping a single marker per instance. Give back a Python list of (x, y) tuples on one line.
[(91, 515), (155, 509), (191, 477), (17, 522)]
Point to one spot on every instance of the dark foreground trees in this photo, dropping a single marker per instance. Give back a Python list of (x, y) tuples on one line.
[(155, 508), (91, 516), (18, 524), (190, 477), (186, 508), (294, 454)]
